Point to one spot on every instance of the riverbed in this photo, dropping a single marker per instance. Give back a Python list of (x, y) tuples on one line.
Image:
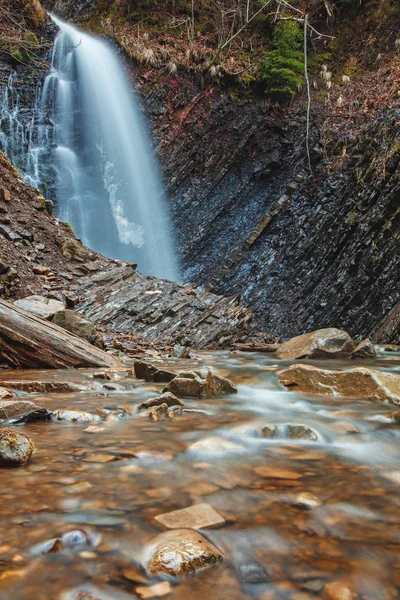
[(111, 478)]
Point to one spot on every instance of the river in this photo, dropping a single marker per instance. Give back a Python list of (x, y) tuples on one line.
[(111, 478)]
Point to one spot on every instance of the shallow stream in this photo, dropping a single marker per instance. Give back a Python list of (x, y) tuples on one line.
[(112, 478)]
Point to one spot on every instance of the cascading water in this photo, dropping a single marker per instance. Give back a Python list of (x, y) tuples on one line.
[(91, 139)]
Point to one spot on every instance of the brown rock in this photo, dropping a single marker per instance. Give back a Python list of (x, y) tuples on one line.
[(5, 393), (365, 349), (300, 432), (200, 384), (76, 324), (336, 590), (5, 195), (181, 551), (275, 473), (157, 412), (40, 306), (167, 398), (146, 371), (42, 270), (268, 431), (45, 387), (307, 500), (186, 387), (198, 516), (16, 447), (22, 410), (356, 383), (323, 343), (218, 386)]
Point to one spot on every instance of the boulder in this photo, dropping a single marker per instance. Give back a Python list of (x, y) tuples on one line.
[(186, 387), (16, 447), (76, 324), (167, 398), (40, 306), (200, 384), (22, 410), (181, 551), (359, 382), (365, 349), (323, 343)]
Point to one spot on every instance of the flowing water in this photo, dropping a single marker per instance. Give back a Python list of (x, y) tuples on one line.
[(113, 479), (87, 143)]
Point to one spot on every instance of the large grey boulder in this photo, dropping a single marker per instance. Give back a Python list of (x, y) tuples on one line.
[(323, 343)]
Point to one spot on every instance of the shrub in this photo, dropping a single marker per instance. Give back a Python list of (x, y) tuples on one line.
[(283, 66)]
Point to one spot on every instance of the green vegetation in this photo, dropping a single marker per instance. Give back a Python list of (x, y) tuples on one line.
[(283, 66)]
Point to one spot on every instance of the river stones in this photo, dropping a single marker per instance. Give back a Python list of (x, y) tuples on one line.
[(148, 372), (307, 500), (22, 410), (5, 393), (198, 516), (16, 447), (76, 416), (40, 306), (181, 551), (359, 382), (323, 343), (300, 432), (157, 412), (365, 349), (200, 384), (166, 398), (294, 432)]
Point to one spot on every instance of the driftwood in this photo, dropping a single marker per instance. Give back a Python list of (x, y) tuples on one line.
[(31, 342), (253, 347)]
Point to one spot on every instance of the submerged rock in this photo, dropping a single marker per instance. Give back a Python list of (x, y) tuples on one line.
[(16, 447), (166, 398), (181, 551), (215, 444), (300, 432), (40, 306), (76, 324), (359, 382), (294, 432), (365, 349), (22, 410), (46, 387), (198, 516), (323, 343)]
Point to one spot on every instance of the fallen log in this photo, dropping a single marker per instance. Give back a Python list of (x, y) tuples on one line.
[(31, 342)]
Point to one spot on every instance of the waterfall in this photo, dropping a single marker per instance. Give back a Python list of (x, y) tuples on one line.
[(92, 149)]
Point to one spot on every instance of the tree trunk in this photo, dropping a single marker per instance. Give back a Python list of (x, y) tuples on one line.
[(31, 342)]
